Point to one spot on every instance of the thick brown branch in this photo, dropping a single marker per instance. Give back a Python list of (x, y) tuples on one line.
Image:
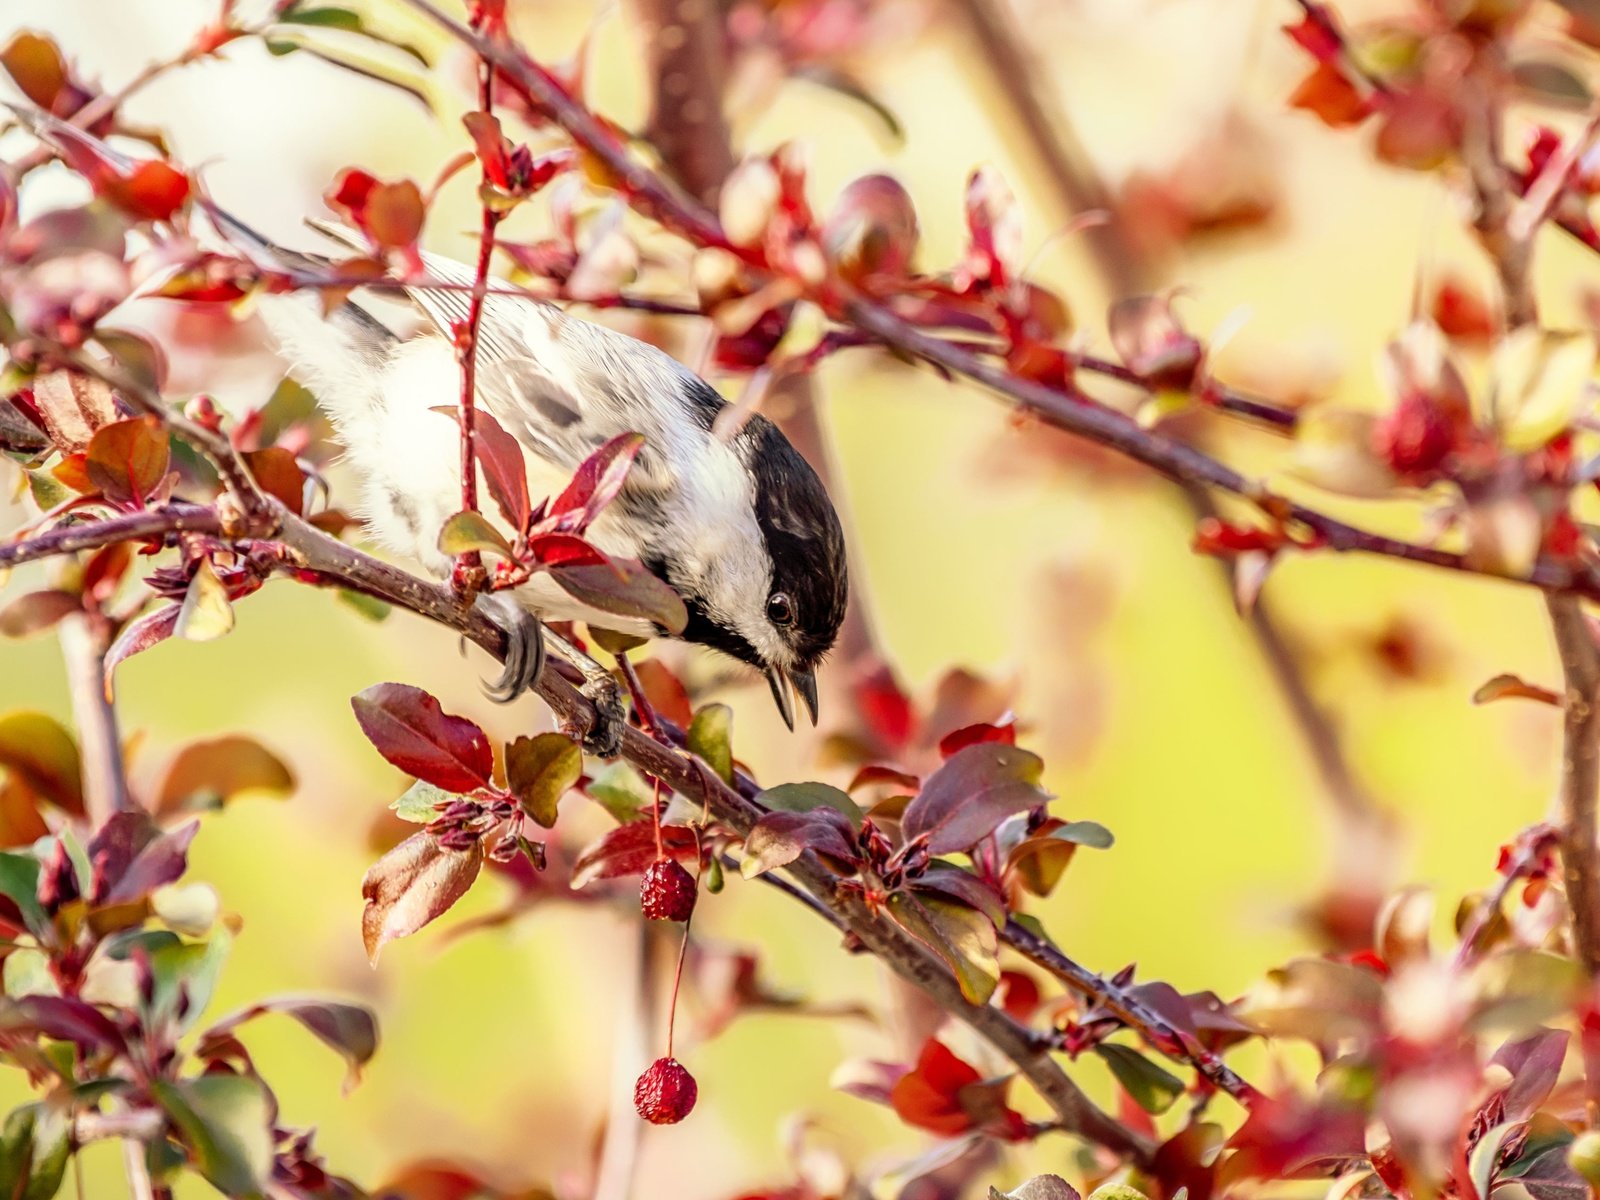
[(1580, 775)]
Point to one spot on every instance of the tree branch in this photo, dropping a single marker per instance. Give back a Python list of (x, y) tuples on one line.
[(147, 525), (1071, 412), (1131, 1011)]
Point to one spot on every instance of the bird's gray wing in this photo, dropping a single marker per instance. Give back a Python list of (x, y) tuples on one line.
[(562, 386)]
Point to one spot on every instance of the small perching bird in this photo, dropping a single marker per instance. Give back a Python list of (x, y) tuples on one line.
[(739, 526)]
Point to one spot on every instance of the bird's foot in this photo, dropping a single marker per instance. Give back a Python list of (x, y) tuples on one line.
[(524, 659), (603, 737)]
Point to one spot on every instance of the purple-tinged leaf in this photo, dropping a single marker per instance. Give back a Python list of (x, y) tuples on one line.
[(504, 468), (161, 862), (972, 735), (411, 885), (115, 845), (413, 732), (954, 883), (349, 1029), (597, 481), (975, 790), (140, 635), (779, 838), (624, 587), (1549, 1176), (1535, 1064), (62, 1019)]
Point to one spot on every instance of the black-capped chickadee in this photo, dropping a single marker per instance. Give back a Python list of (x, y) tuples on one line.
[(740, 527)]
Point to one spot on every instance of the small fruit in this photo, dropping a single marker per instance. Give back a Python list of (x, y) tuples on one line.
[(666, 891), (1415, 437), (666, 1092)]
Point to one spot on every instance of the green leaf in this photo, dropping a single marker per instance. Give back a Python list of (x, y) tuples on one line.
[(34, 1148), (1154, 1089), (420, 803), (206, 613), (189, 969), (226, 1122), (711, 737), (803, 797), (1085, 833), (540, 770), (367, 606), (19, 882), (467, 532), (331, 17), (620, 791), (287, 38), (960, 935)]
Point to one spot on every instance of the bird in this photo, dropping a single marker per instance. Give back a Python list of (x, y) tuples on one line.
[(740, 526)]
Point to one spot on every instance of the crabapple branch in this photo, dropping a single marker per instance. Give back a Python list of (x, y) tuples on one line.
[(1069, 411), (146, 525), (316, 552)]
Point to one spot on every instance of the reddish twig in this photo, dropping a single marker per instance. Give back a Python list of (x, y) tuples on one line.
[(148, 525), (1131, 1011)]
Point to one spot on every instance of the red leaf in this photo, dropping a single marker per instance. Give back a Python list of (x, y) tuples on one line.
[(886, 708), (504, 468), (970, 794), (1331, 97), (140, 635), (629, 849), (409, 728), (597, 481), (36, 612), (127, 460), (972, 735), (411, 885), (928, 1095), (152, 192), (391, 214), (564, 550), (665, 692)]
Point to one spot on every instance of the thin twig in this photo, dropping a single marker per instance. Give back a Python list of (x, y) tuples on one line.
[(147, 525), (84, 641), (1131, 1011)]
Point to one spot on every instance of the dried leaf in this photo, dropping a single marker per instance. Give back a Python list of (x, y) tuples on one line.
[(1503, 687), (411, 885)]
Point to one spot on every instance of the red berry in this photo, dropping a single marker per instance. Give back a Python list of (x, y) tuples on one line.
[(665, 1093), (1415, 436), (666, 891)]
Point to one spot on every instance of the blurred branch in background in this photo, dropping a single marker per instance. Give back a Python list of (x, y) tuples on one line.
[(1033, 97)]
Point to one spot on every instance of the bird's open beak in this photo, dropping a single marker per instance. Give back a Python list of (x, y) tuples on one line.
[(802, 681)]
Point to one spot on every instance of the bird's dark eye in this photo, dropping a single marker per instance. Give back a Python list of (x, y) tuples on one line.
[(780, 609)]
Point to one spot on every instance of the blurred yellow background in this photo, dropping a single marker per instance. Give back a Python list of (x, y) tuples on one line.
[(1147, 694)]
